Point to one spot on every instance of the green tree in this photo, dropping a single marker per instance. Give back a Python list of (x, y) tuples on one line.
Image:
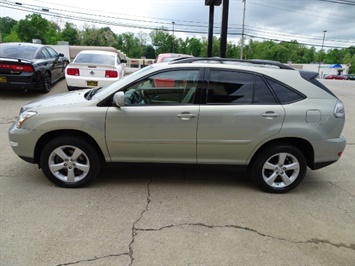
[(232, 50), (194, 47), (6, 25), (149, 52), (33, 27), (248, 50), (98, 37), (215, 47), (181, 46), (161, 41), (70, 34), (130, 45), (12, 37), (53, 33)]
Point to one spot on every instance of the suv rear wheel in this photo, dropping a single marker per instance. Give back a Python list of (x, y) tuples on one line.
[(70, 162), (279, 168)]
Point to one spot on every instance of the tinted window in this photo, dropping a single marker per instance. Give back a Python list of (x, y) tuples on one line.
[(101, 59), (166, 88), (53, 53), (18, 51), (43, 54), (284, 94), (231, 87), (262, 94)]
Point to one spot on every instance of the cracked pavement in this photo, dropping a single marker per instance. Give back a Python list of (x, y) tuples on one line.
[(171, 215)]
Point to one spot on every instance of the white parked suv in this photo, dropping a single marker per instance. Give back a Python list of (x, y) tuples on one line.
[(94, 68), (263, 116)]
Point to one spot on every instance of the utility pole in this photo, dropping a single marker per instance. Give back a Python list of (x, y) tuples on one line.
[(242, 42), (321, 51), (173, 37), (211, 3), (224, 29)]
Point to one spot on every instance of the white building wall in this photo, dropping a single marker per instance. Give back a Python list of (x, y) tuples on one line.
[(64, 49), (323, 69)]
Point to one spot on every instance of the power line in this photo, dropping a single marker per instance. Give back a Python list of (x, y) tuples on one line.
[(262, 33)]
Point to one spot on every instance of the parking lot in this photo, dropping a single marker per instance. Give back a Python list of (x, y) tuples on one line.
[(150, 215)]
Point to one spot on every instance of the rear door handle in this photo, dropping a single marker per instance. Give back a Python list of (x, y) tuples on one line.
[(270, 114)]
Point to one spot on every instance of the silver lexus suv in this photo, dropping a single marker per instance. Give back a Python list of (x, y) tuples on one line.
[(264, 116)]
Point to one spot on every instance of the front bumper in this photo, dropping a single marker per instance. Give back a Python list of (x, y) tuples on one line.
[(23, 142)]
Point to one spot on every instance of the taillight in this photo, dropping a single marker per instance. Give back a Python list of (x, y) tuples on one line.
[(16, 68), (111, 74), (339, 111), (73, 72)]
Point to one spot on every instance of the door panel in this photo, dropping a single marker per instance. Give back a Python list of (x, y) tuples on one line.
[(227, 134), (240, 113), (152, 133), (159, 120)]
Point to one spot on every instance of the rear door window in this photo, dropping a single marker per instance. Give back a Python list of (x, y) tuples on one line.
[(233, 87)]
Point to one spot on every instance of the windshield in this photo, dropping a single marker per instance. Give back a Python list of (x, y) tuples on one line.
[(129, 78)]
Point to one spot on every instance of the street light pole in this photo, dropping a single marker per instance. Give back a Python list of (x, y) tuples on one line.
[(242, 42), (173, 37), (321, 51)]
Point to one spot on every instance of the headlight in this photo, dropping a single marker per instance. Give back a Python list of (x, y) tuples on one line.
[(23, 117)]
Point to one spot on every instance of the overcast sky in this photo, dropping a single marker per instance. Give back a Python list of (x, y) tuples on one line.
[(286, 20)]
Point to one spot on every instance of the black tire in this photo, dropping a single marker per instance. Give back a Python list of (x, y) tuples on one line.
[(46, 84), (70, 162), (279, 168)]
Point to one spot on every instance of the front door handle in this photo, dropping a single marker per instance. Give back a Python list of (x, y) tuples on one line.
[(186, 116)]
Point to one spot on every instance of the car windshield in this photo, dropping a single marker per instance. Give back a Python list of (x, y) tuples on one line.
[(100, 59), (18, 51)]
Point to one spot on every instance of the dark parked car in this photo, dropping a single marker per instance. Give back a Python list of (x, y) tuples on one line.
[(350, 77), (29, 66)]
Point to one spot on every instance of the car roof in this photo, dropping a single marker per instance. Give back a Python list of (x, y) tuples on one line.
[(23, 44)]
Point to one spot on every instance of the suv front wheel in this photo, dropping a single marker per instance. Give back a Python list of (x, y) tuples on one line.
[(279, 168), (70, 162)]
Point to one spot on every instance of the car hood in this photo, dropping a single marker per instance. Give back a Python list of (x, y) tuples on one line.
[(62, 99)]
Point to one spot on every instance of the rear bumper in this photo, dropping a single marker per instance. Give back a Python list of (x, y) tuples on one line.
[(82, 82), (21, 82), (327, 152)]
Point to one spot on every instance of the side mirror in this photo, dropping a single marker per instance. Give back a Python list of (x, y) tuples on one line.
[(118, 98), (61, 55), (123, 61)]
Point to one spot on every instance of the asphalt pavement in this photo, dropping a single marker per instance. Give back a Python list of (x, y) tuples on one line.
[(150, 215)]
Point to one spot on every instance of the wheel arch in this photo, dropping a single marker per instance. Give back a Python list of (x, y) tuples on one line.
[(61, 133), (303, 145)]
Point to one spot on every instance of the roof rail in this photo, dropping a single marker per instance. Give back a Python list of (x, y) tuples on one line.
[(224, 60)]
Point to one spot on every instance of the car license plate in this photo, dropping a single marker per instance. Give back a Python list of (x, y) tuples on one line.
[(91, 83), (3, 79)]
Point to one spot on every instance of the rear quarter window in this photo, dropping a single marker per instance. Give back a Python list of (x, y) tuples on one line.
[(285, 94)]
